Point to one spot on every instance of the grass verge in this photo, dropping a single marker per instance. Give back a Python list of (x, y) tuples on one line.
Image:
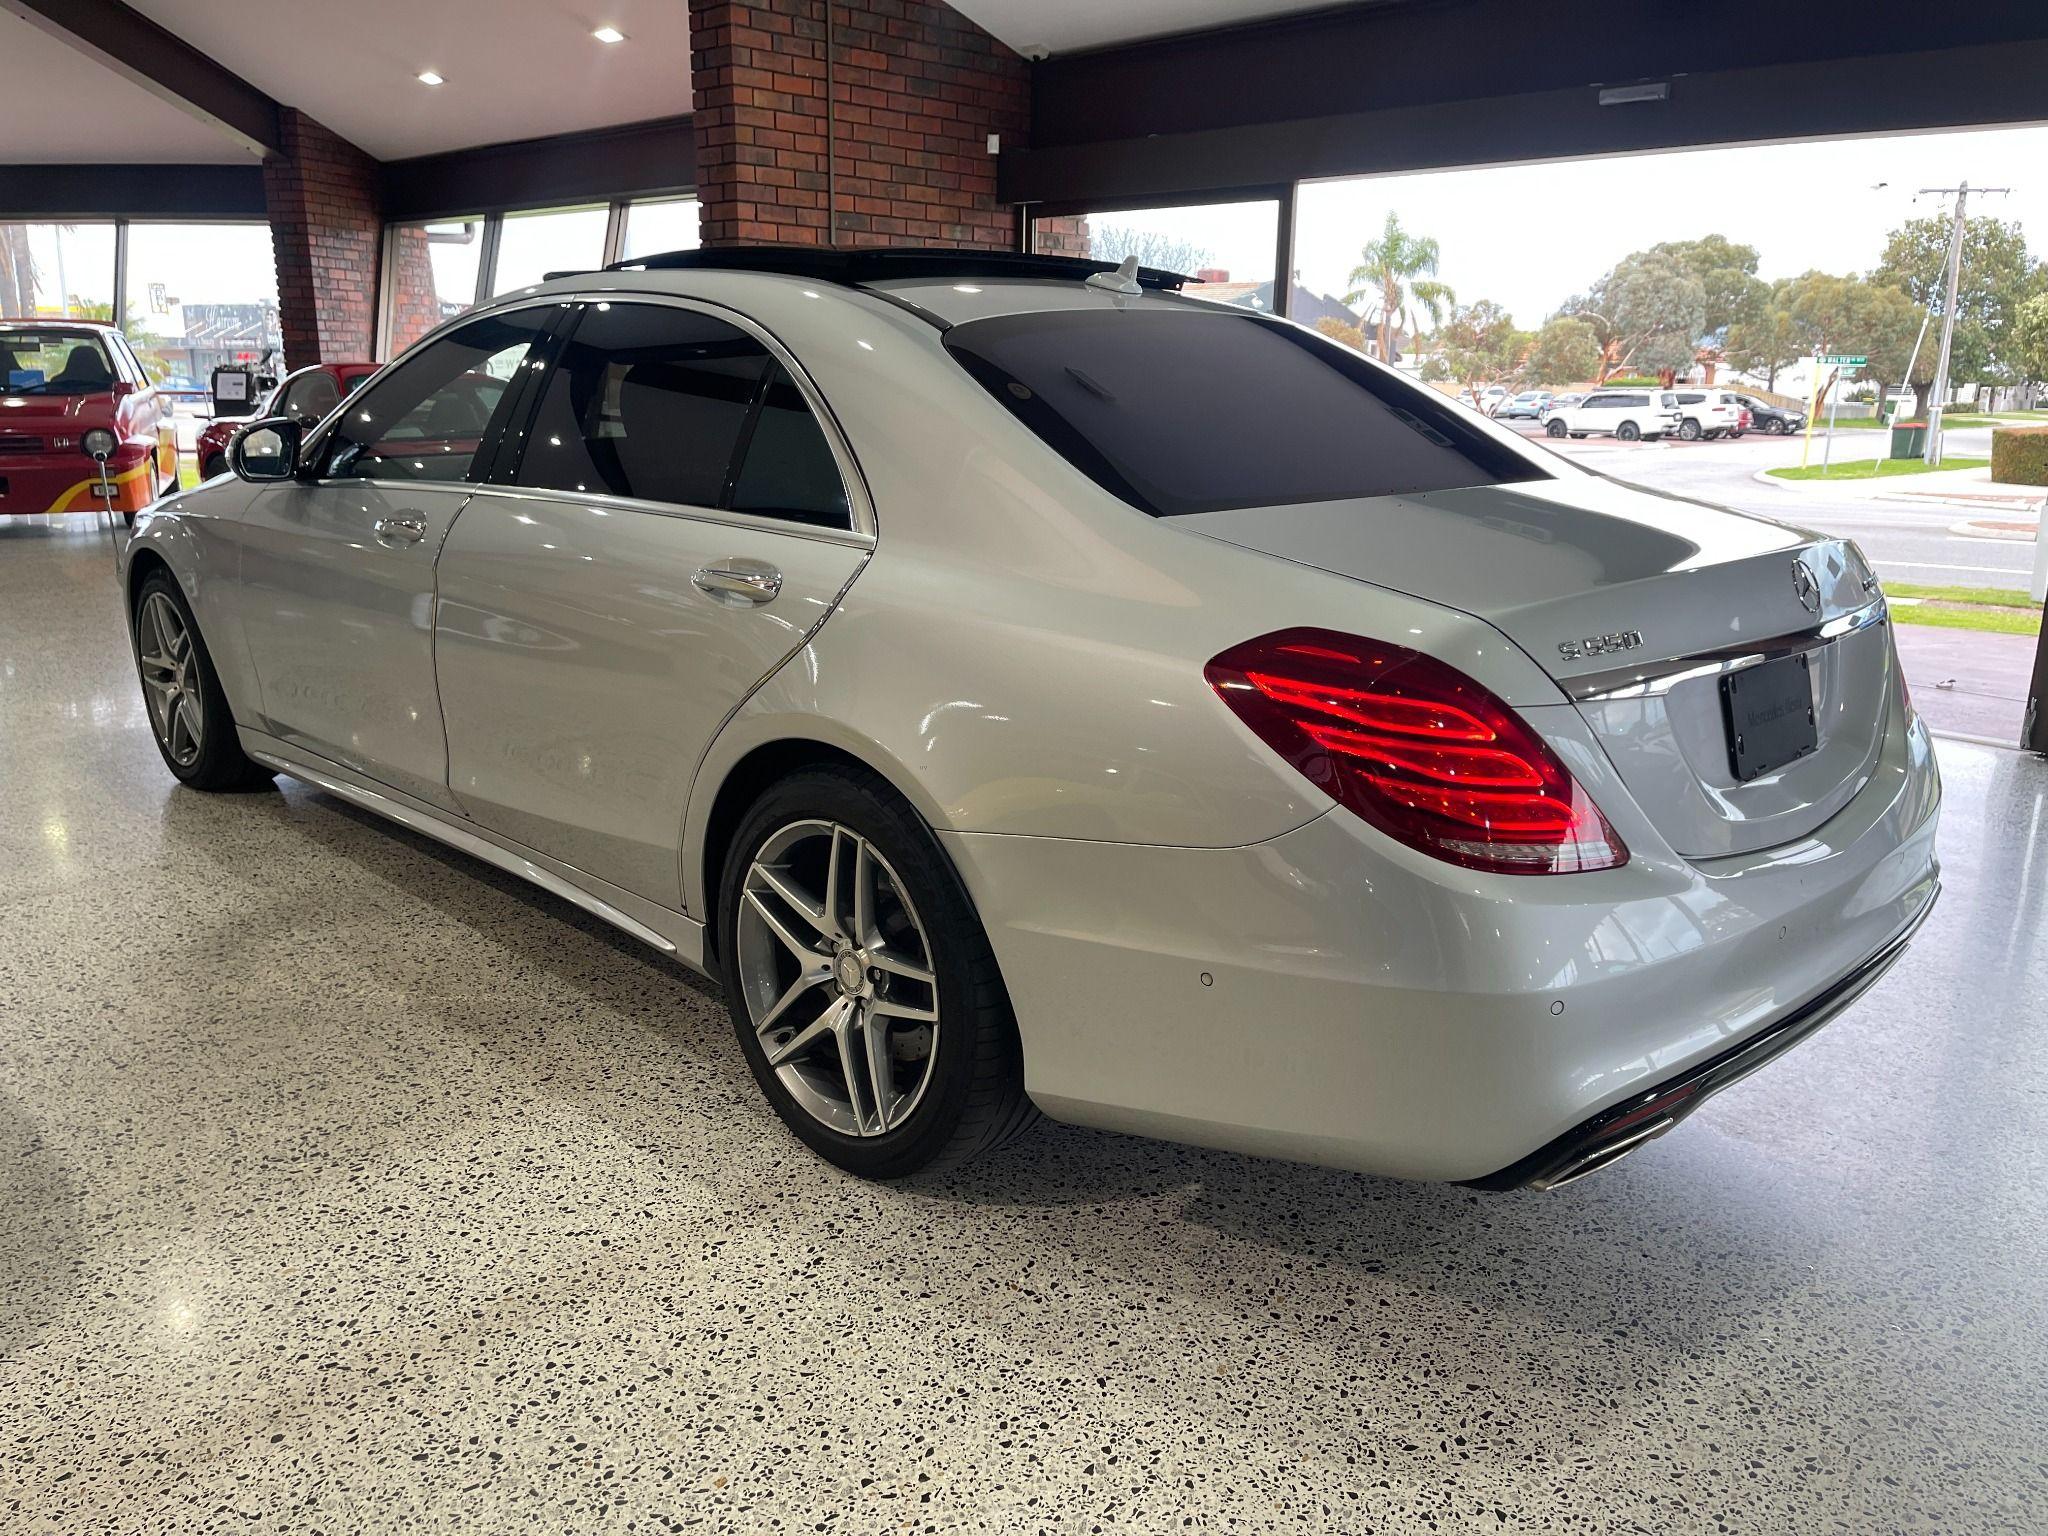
[(1992, 610), (1872, 469)]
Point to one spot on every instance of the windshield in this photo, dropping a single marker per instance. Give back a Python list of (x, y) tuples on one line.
[(1182, 412), (53, 363)]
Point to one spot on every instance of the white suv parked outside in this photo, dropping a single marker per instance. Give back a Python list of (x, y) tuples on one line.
[(1627, 414), (1710, 413)]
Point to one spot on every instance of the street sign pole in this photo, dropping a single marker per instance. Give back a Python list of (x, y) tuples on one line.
[(1827, 449), (1812, 410)]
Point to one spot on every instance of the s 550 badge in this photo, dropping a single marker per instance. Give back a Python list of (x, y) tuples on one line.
[(1600, 645)]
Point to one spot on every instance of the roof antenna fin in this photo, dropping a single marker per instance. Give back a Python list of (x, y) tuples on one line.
[(1123, 280)]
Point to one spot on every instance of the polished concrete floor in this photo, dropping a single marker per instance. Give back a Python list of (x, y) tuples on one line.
[(347, 1186)]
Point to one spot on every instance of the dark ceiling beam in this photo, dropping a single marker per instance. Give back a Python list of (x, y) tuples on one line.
[(61, 192), (628, 160), (162, 63), (1963, 87)]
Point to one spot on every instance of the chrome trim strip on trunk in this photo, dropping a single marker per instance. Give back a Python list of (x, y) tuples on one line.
[(1660, 677)]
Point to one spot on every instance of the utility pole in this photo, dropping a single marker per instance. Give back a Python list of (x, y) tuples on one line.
[(1932, 453)]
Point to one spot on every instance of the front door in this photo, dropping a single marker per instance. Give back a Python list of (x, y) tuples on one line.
[(676, 527), (338, 571)]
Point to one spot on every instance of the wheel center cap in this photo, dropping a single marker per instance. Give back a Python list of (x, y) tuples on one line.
[(850, 974)]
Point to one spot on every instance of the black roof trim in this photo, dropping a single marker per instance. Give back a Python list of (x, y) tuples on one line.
[(877, 264)]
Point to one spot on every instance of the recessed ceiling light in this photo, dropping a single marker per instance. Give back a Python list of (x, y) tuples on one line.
[(428, 77), (609, 35)]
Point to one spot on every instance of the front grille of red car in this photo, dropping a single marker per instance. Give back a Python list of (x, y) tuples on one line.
[(19, 442)]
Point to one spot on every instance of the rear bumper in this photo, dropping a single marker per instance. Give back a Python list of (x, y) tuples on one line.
[(1332, 997), (1611, 1135)]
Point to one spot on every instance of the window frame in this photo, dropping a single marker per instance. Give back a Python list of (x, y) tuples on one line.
[(505, 462)]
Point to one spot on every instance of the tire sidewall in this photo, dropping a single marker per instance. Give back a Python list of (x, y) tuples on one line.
[(950, 925)]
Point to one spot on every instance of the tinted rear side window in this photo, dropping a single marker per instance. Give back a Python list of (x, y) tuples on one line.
[(1191, 412), (645, 401), (788, 470)]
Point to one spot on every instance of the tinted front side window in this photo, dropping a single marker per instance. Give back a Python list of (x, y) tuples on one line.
[(426, 419), (645, 401), (1186, 412)]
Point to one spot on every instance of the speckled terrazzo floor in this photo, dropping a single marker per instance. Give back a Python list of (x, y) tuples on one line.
[(348, 1186)]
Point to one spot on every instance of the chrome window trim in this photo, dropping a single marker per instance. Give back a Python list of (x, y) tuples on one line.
[(1660, 678), (851, 537)]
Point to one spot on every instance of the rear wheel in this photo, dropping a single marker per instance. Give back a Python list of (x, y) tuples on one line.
[(215, 465), (1628, 431), (188, 712), (1555, 429), (1689, 430), (860, 982)]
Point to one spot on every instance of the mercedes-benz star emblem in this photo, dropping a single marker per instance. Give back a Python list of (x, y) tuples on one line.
[(1807, 585)]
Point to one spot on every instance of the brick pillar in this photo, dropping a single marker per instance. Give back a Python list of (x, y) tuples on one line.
[(899, 147), (415, 301), (326, 231)]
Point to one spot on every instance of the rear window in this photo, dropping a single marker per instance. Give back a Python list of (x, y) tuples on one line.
[(1180, 413)]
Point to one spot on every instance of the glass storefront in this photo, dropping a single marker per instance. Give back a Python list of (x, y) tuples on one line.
[(1230, 246), (198, 296), (531, 245), (48, 271), (669, 224)]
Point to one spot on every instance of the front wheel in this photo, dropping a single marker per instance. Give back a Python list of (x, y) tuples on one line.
[(188, 712), (861, 985), (214, 467), (1775, 428), (1628, 432), (1555, 429)]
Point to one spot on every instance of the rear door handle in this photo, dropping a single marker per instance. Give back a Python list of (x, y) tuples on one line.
[(744, 581), (401, 530)]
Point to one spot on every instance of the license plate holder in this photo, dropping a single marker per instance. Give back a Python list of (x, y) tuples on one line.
[(1768, 710)]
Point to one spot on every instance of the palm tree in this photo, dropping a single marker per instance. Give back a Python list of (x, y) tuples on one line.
[(1396, 272)]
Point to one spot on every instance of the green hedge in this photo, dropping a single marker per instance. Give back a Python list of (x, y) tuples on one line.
[(2019, 455), (1633, 384)]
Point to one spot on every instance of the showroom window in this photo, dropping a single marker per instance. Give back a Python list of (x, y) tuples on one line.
[(57, 271), (434, 269), (531, 245), (432, 272), (663, 224), (198, 296), (1234, 246)]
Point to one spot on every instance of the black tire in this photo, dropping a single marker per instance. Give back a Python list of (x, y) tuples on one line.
[(1555, 429), (1689, 430), (220, 764), (215, 466), (1775, 428), (1628, 432), (974, 1100)]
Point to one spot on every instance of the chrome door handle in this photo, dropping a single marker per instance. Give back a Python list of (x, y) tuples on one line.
[(750, 581), (402, 530)]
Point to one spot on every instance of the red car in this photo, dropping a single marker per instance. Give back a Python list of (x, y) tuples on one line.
[(71, 394), (306, 395)]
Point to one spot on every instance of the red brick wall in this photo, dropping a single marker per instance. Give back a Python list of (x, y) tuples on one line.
[(326, 231), (415, 303), (916, 91)]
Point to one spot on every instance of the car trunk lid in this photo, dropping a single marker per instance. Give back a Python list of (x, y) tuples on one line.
[(1638, 605)]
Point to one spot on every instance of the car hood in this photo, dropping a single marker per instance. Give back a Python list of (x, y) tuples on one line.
[(52, 413)]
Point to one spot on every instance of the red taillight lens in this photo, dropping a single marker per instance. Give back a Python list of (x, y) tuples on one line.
[(1418, 749)]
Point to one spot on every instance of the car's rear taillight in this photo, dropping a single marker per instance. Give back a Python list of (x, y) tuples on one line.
[(1417, 749)]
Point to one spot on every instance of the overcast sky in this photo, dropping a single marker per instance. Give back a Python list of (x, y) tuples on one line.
[(1530, 236)]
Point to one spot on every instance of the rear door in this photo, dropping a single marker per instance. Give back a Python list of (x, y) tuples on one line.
[(338, 574), (676, 524)]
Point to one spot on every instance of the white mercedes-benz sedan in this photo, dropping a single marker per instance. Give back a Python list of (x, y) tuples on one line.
[(1031, 688)]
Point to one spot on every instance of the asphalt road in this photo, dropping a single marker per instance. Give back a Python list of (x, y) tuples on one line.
[(1905, 541)]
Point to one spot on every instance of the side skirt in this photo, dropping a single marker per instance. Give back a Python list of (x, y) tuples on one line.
[(648, 921)]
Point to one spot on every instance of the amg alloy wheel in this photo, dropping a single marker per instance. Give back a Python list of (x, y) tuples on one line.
[(838, 979), (170, 679), (860, 982), (188, 713)]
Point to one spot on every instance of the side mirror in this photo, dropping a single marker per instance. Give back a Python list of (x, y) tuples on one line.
[(265, 451)]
